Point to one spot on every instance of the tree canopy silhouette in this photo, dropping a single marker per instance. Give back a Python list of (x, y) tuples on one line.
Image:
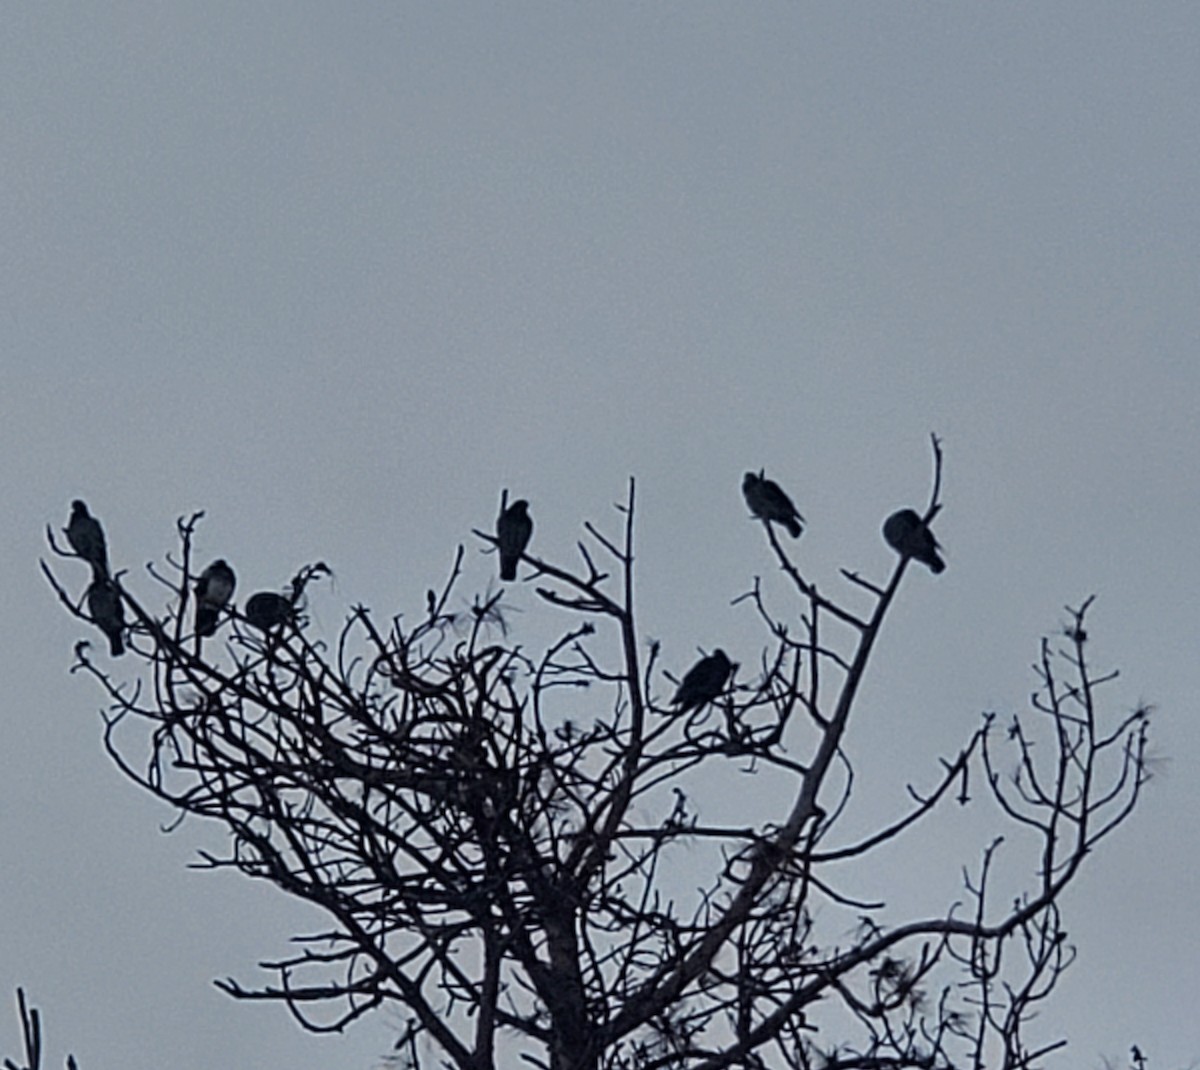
[(491, 834)]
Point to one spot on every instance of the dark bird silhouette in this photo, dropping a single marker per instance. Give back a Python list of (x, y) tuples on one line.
[(104, 604), (86, 537), (909, 536), (267, 610), (514, 529), (214, 588), (703, 682), (768, 502)]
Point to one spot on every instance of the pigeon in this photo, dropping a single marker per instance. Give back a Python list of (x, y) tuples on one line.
[(514, 529), (104, 604), (768, 502), (703, 682), (909, 536), (267, 610), (86, 537), (213, 589)]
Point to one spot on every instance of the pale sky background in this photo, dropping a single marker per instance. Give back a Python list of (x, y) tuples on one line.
[(337, 273)]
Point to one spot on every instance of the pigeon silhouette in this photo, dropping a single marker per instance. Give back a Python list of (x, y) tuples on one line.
[(703, 682), (214, 588), (267, 610), (104, 604), (86, 537), (909, 536), (514, 529), (768, 502)]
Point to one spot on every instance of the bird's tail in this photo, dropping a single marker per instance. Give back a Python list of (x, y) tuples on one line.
[(116, 645), (794, 527), (508, 568), (936, 564), (206, 621)]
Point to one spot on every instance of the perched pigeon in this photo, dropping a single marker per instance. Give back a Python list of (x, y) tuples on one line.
[(514, 529), (214, 588), (104, 604), (909, 536), (703, 682), (267, 610), (86, 537), (768, 501)]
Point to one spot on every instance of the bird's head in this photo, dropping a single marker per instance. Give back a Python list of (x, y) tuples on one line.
[(902, 522), (78, 508)]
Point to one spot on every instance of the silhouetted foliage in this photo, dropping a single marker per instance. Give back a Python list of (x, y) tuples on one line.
[(492, 833)]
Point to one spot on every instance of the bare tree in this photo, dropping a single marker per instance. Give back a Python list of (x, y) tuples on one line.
[(491, 834), (31, 1038)]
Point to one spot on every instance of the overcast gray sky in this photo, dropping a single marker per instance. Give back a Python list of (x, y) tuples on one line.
[(336, 273)]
